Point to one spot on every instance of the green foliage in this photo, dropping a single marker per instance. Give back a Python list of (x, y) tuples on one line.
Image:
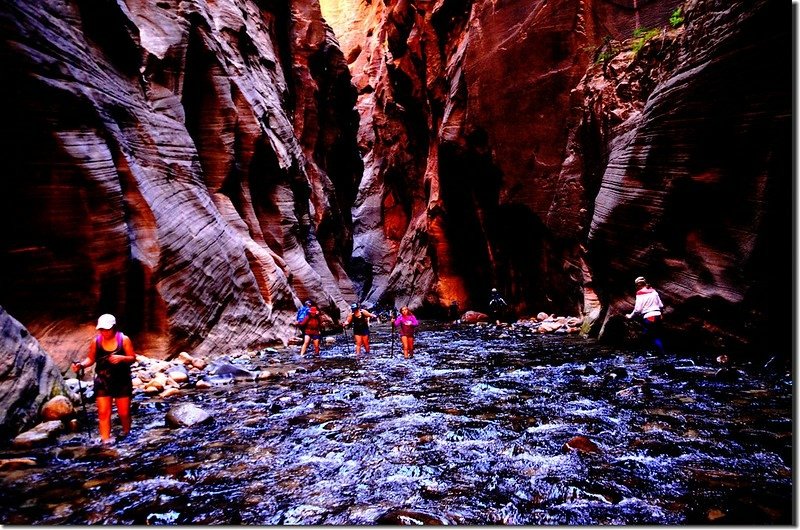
[(641, 36), (605, 51), (676, 19), (605, 55)]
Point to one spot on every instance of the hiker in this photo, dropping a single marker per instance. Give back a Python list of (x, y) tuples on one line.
[(648, 305), (497, 306), (360, 320), (406, 322), (453, 310), (311, 326), (113, 352)]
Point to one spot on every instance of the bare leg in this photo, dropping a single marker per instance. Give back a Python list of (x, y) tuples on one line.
[(124, 411), (358, 344), (316, 346), (304, 347), (410, 346), (365, 341), (104, 417)]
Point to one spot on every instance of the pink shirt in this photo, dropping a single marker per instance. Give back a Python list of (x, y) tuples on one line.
[(406, 324)]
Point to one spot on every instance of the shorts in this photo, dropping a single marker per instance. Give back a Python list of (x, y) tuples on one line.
[(315, 337), (113, 385)]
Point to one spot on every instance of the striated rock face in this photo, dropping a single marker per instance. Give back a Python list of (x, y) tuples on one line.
[(199, 168), (523, 144), (465, 117), (695, 188), (186, 166), (28, 377)]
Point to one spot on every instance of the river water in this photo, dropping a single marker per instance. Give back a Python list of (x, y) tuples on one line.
[(472, 430)]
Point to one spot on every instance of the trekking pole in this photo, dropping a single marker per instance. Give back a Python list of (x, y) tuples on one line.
[(347, 340), (80, 373), (392, 333)]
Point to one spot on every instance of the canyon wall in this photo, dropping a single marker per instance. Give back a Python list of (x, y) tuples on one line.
[(552, 151), (187, 166), (199, 168)]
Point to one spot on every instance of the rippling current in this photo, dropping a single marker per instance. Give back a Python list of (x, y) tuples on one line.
[(470, 431)]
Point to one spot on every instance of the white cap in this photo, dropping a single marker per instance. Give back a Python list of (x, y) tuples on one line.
[(106, 321)]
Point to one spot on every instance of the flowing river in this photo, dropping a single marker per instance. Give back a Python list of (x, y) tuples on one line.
[(472, 430)]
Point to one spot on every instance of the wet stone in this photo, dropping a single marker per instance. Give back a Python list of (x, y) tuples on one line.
[(187, 415), (403, 517), (11, 464), (581, 444)]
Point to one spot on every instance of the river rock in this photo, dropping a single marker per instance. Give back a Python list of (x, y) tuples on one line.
[(178, 374), (57, 408), (727, 374), (581, 444), (169, 392), (473, 317), (39, 435), (404, 517), (187, 415), (185, 358), (11, 464), (230, 369), (199, 364)]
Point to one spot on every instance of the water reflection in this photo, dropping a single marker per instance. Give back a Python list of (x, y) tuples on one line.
[(472, 430)]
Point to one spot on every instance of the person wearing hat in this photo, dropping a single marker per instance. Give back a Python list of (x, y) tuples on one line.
[(312, 329), (113, 353), (648, 304), (360, 320)]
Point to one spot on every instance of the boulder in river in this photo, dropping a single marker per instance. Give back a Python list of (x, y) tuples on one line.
[(39, 435), (57, 408), (229, 369), (187, 415)]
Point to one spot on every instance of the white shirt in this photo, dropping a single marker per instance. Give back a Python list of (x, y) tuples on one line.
[(648, 303)]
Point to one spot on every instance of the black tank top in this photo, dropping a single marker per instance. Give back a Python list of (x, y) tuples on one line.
[(360, 324)]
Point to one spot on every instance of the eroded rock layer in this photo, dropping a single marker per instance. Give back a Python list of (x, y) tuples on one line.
[(173, 163), (199, 168), (557, 150)]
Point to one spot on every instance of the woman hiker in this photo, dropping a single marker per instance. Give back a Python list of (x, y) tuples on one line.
[(360, 319), (113, 353), (406, 322)]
